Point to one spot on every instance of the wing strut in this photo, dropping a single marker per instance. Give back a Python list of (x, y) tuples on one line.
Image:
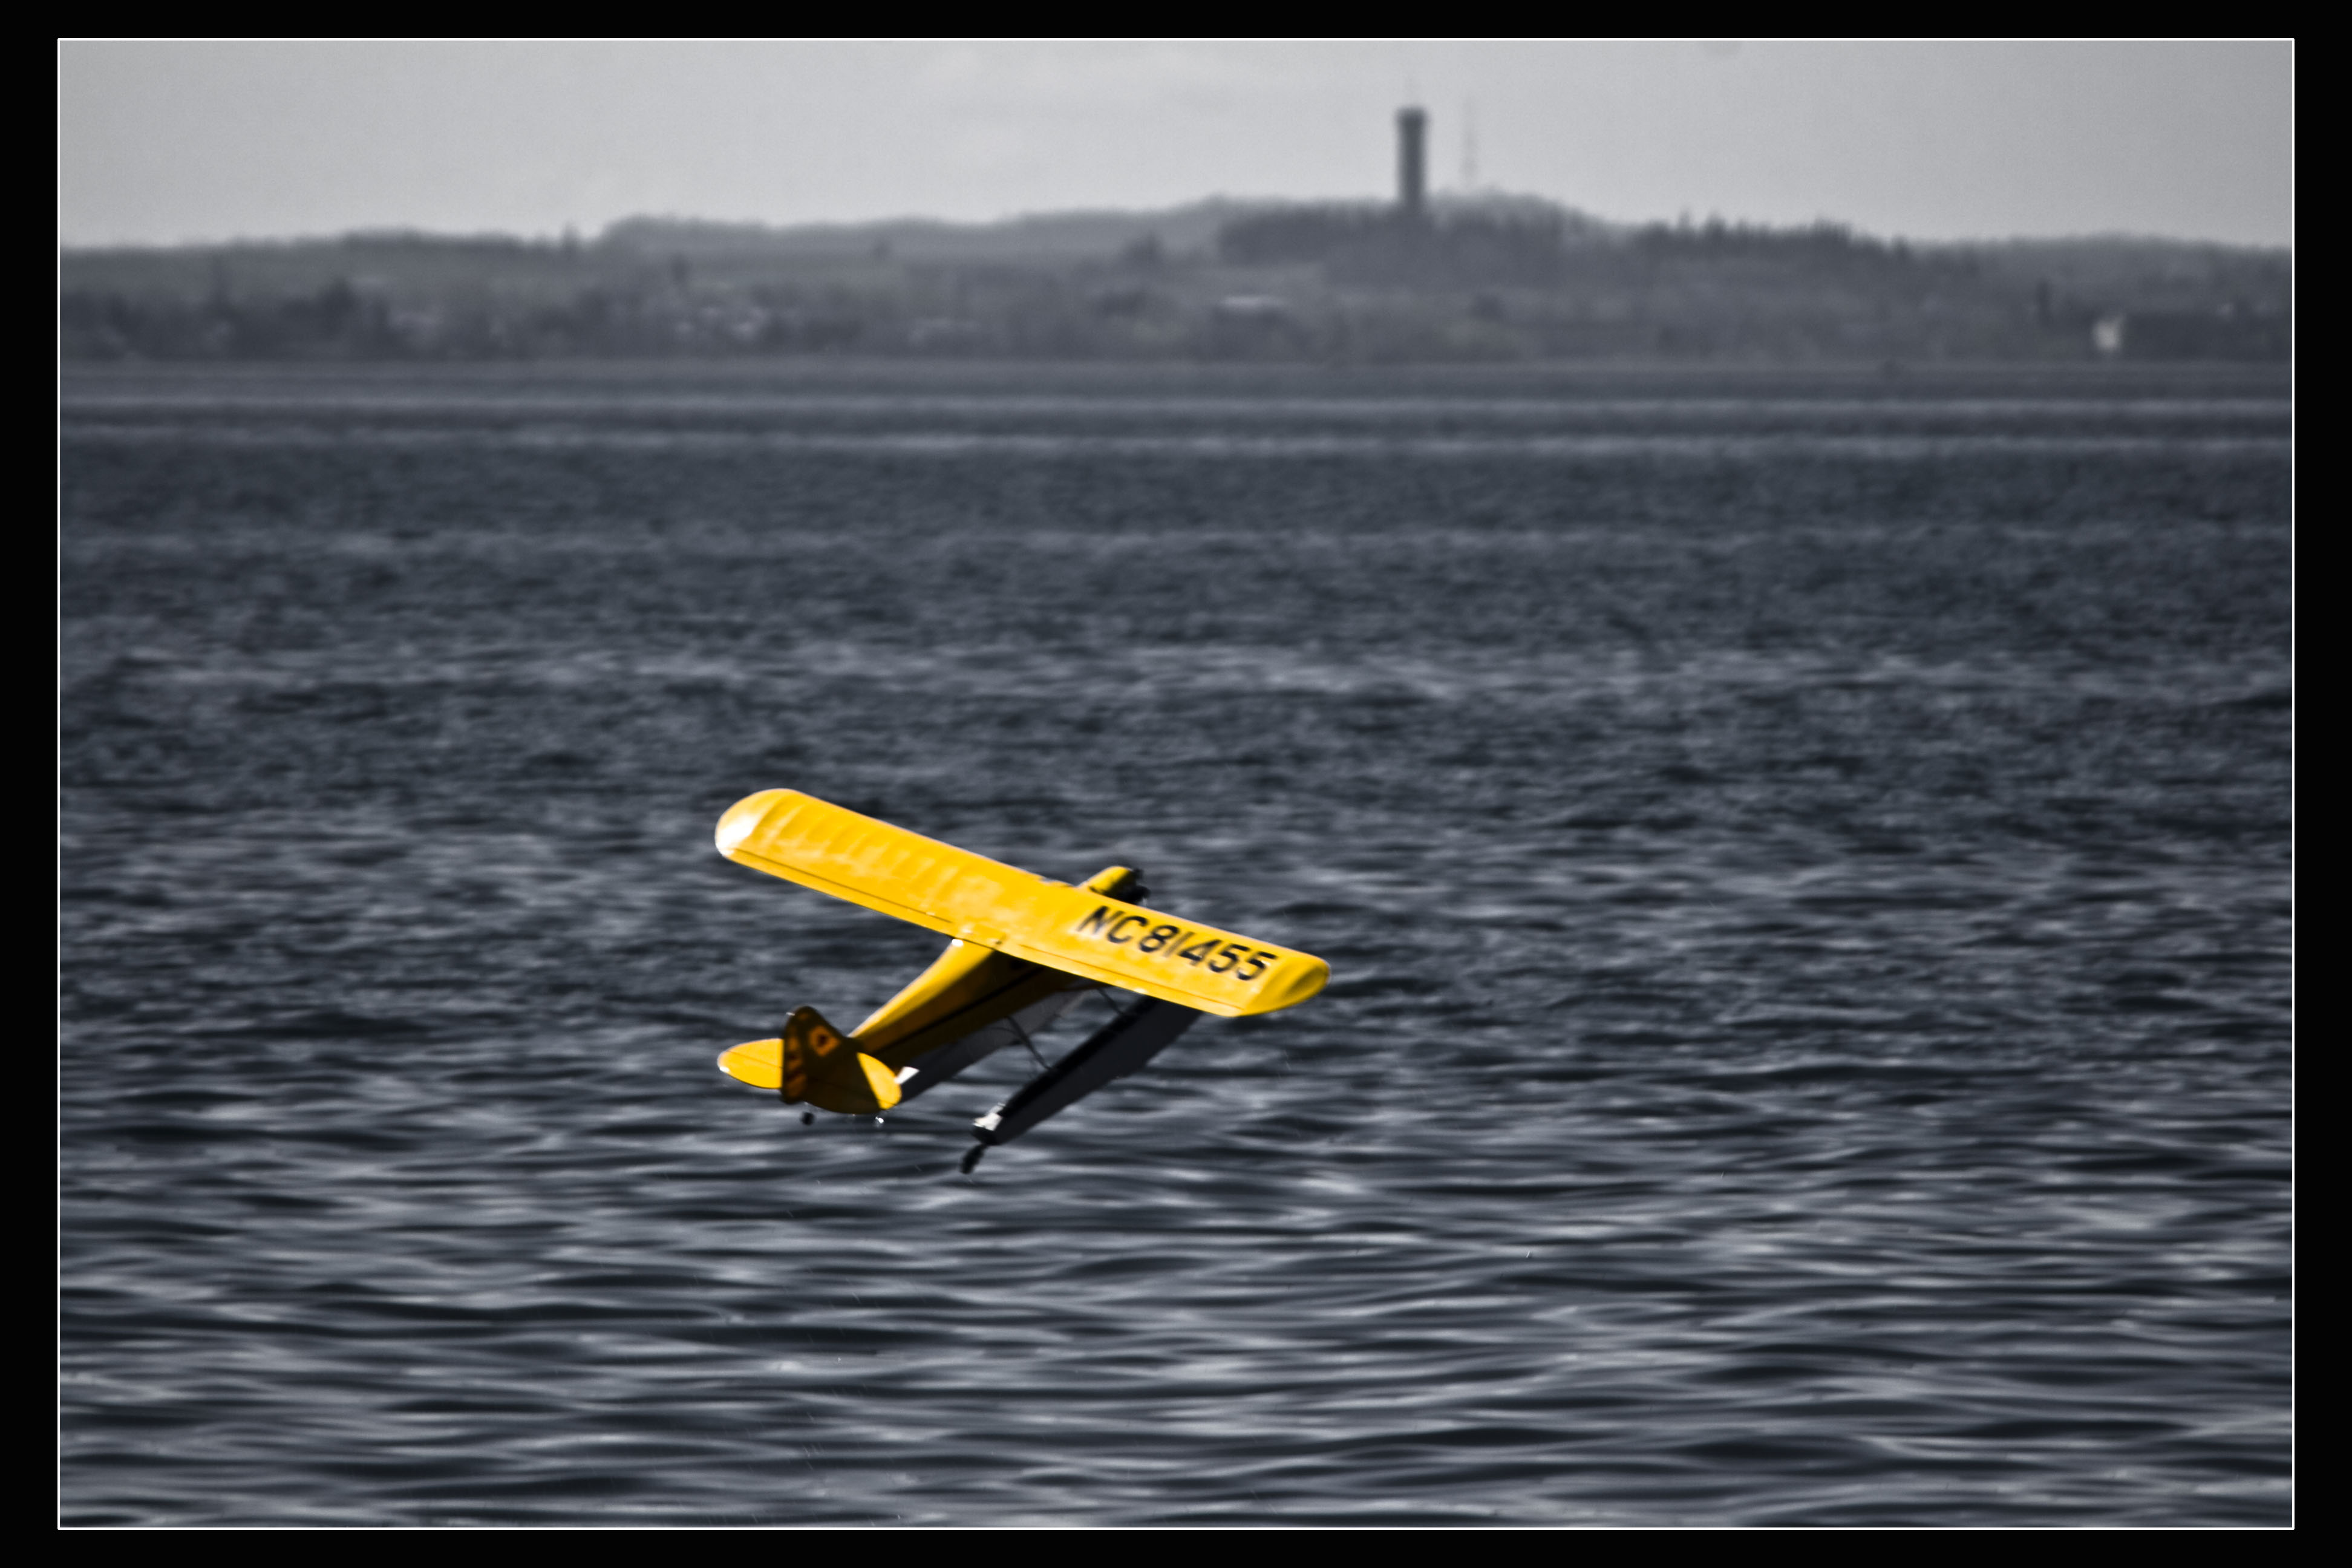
[(1130, 1039)]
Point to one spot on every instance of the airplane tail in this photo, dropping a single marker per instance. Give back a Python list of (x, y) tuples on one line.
[(813, 1061)]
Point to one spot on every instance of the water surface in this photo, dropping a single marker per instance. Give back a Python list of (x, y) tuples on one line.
[(1804, 862)]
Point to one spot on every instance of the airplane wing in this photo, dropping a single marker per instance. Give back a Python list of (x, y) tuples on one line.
[(957, 893)]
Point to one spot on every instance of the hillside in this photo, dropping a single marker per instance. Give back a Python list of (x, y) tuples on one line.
[(1494, 279)]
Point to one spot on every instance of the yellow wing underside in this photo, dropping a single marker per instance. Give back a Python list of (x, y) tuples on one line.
[(969, 897)]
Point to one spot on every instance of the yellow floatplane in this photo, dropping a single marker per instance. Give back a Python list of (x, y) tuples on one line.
[(1021, 950)]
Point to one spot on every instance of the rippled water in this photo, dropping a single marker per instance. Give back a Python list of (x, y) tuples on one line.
[(1804, 862)]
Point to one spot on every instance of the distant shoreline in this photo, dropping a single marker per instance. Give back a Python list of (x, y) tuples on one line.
[(1565, 375), (1510, 281)]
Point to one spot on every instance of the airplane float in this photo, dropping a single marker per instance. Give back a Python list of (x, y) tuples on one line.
[(1022, 952)]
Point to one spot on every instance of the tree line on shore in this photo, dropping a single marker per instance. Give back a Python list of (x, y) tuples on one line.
[(1506, 281)]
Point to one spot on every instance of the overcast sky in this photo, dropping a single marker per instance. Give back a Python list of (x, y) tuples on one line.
[(172, 142)]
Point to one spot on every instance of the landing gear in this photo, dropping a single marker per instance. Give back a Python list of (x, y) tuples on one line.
[(971, 1157), (808, 1118)]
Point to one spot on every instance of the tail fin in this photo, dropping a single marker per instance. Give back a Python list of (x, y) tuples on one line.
[(813, 1061)]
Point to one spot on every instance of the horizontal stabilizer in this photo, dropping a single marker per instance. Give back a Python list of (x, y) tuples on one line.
[(957, 893), (813, 1062)]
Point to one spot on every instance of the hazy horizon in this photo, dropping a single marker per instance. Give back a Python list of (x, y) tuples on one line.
[(175, 144), (1008, 220)]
